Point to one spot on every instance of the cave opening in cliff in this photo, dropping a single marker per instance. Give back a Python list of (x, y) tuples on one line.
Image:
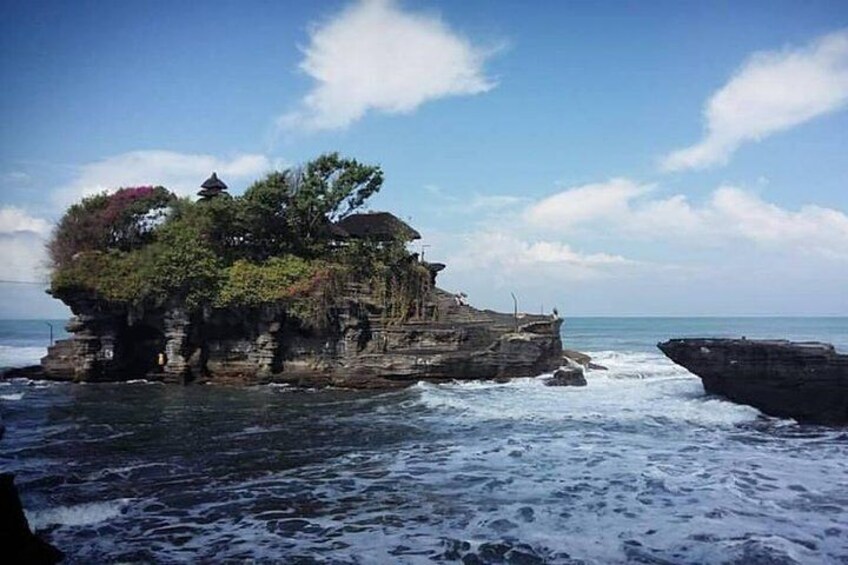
[(141, 346)]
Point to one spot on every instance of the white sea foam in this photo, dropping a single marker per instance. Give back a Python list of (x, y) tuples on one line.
[(77, 515), (639, 466), (12, 397), (20, 356), (637, 387)]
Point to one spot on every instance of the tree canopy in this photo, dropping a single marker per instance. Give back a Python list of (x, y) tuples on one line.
[(276, 242)]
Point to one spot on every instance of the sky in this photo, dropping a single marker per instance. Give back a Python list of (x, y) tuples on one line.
[(616, 158)]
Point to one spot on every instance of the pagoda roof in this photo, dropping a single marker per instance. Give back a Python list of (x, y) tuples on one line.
[(380, 226), (214, 183)]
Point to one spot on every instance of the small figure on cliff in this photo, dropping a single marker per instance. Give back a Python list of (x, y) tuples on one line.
[(161, 359)]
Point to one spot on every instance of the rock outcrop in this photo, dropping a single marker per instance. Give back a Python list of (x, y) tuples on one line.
[(807, 381), (582, 359), (570, 374), (17, 542), (357, 346)]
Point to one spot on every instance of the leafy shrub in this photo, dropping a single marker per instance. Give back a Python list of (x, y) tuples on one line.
[(279, 278)]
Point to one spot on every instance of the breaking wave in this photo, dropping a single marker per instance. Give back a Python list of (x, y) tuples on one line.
[(20, 356), (78, 515)]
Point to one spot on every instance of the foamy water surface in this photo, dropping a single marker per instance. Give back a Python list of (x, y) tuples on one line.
[(639, 466)]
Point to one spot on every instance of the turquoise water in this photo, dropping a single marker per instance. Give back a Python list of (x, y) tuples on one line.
[(642, 334), (640, 466)]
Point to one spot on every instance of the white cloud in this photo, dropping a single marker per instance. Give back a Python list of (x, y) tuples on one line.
[(584, 203), (812, 228), (179, 172), (499, 251), (15, 220), (376, 56), (22, 240), (23, 256), (730, 214), (771, 92)]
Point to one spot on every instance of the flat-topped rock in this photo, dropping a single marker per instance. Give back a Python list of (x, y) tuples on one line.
[(807, 381)]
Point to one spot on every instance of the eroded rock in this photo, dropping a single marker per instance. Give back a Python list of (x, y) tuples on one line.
[(568, 375), (807, 381), (358, 346)]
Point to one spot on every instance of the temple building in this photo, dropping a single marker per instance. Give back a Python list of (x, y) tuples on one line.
[(377, 226), (212, 187)]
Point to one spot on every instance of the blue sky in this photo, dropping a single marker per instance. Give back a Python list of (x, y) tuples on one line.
[(610, 158)]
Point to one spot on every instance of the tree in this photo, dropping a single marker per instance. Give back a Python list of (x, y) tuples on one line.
[(264, 217), (325, 190), (122, 221), (291, 211)]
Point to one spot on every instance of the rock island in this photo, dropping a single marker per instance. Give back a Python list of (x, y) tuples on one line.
[(291, 282)]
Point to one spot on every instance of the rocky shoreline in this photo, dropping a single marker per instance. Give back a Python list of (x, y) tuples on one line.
[(807, 381), (359, 348)]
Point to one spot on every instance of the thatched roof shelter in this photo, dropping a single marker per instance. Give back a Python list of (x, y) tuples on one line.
[(377, 226), (213, 186)]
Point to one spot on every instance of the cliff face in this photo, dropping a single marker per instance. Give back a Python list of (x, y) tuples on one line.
[(356, 347), (806, 381)]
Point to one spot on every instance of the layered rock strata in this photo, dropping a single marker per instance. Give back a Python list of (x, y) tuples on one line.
[(356, 347), (807, 381)]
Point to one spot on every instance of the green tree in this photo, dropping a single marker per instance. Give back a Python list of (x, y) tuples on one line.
[(264, 218), (325, 190), (124, 220)]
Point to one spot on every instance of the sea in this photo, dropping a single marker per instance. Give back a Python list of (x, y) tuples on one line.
[(640, 466)]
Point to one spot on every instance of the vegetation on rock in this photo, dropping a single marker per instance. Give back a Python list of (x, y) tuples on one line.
[(277, 243)]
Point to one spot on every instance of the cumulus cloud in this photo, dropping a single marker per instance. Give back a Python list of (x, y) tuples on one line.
[(771, 92), (15, 220), (376, 56), (22, 239), (730, 214), (180, 172), (584, 203)]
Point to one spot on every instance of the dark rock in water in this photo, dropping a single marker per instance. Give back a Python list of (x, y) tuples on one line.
[(568, 375), (17, 543), (581, 359), (577, 357), (34, 372), (807, 381)]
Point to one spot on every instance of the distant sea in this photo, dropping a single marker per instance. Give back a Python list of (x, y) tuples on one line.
[(640, 466)]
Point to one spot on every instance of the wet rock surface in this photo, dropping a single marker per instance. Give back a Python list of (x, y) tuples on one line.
[(570, 374), (807, 381)]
